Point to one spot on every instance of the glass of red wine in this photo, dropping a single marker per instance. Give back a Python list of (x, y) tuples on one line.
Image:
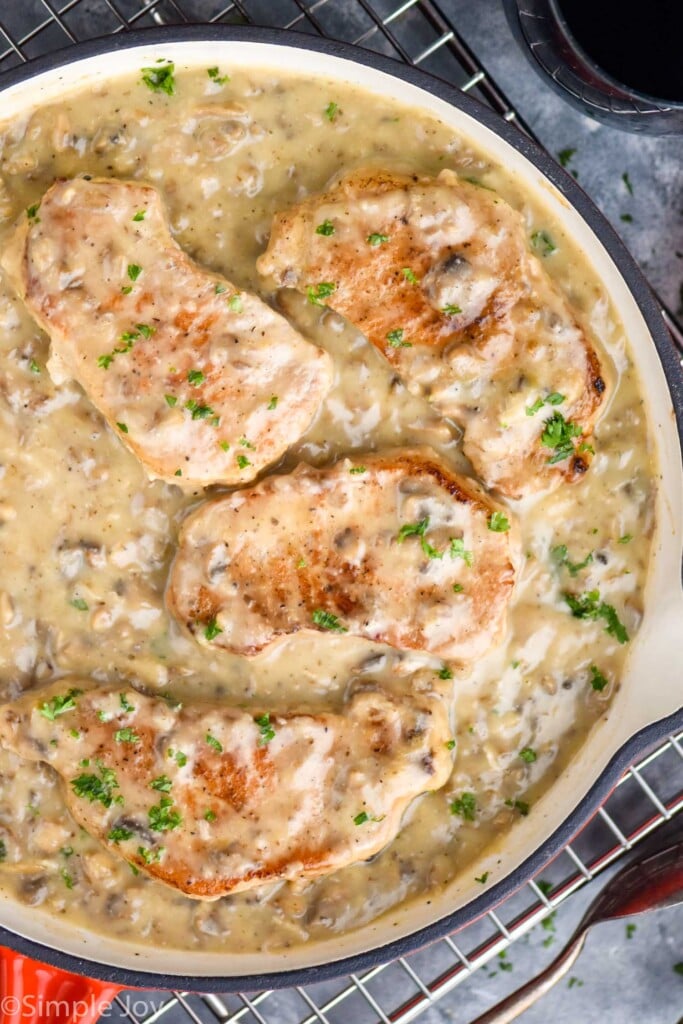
[(619, 61)]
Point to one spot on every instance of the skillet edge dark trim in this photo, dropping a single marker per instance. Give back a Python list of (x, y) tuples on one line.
[(637, 744)]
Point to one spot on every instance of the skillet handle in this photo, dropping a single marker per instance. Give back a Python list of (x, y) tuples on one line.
[(35, 993)]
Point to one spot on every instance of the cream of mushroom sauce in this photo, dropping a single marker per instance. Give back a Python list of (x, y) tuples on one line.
[(86, 540)]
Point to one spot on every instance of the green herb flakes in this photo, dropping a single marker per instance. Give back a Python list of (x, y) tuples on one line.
[(195, 378), (162, 784), (212, 630), (316, 292), (140, 215), (560, 556), (267, 733), (361, 818), (450, 745), (209, 815), (457, 588), (123, 427), (160, 78), (59, 705), (98, 789), (214, 743), (162, 817), (242, 461), (465, 806), (450, 310), (482, 879), (409, 275), (134, 271), (376, 239), (565, 156), (331, 111), (626, 539), (627, 182), (151, 856), (598, 680), (326, 620), (558, 434), (33, 366), (499, 522), (326, 228), (68, 880), (590, 606), (554, 398), (445, 673), (126, 735), (543, 243), (215, 76), (357, 470), (630, 930), (79, 604), (395, 339), (198, 409), (119, 834), (32, 213), (235, 303), (272, 404), (125, 703), (528, 754), (457, 550), (224, 445)]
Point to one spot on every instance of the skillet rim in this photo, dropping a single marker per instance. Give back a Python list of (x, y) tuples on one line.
[(673, 371)]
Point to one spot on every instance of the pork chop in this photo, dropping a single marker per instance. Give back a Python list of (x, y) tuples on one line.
[(213, 799), (203, 382), (393, 547), (439, 276)]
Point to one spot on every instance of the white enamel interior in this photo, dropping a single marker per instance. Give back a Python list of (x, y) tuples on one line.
[(651, 687)]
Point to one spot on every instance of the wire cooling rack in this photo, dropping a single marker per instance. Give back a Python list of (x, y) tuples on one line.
[(651, 792)]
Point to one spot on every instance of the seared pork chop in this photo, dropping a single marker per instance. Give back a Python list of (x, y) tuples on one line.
[(393, 547), (213, 799), (203, 382), (438, 275)]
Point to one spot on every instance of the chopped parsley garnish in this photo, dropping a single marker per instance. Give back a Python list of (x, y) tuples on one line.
[(161, 816), (162, 784), (272, 404), (246, 444), (127, 289), (560, 556), (598, 680), (316, 292), (267, 733), (140, 215), (171, 400), (214, 743), (444, 673), (409, 275), (33, 366), (499, 522), (3, 850), (555, 398), (419, 530), (395, 339), (59, 705), (543, 243), (224, 445), (450, 745), (198, 409), (68, 880), (326, 228), (212, 629), (627, 182), (125, 703), (235, 303), (630, 930), (179, 758), (590, 606), (356, 470), (331, 111), (465, 805), (627, 218), (565, 156), (215, 76), (361, 818), (98, 789), (209, 815), (326, 620), (79, 604), (558, 434), (119, 834), (376, 239), (32, 213), (482, 879), (151, 856), (528, 754), (518, 805), (160, 79), (178, 472), (457, 588), (134, 271), (626, 539), (195, 378), (457, 550), (145, 330), (123, 427), (450, 310), (126, 735), (242, 461), (678, 968), (74, 733), (220, 288)]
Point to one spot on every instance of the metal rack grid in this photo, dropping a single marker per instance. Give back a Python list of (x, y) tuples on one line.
[(650, 794)]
